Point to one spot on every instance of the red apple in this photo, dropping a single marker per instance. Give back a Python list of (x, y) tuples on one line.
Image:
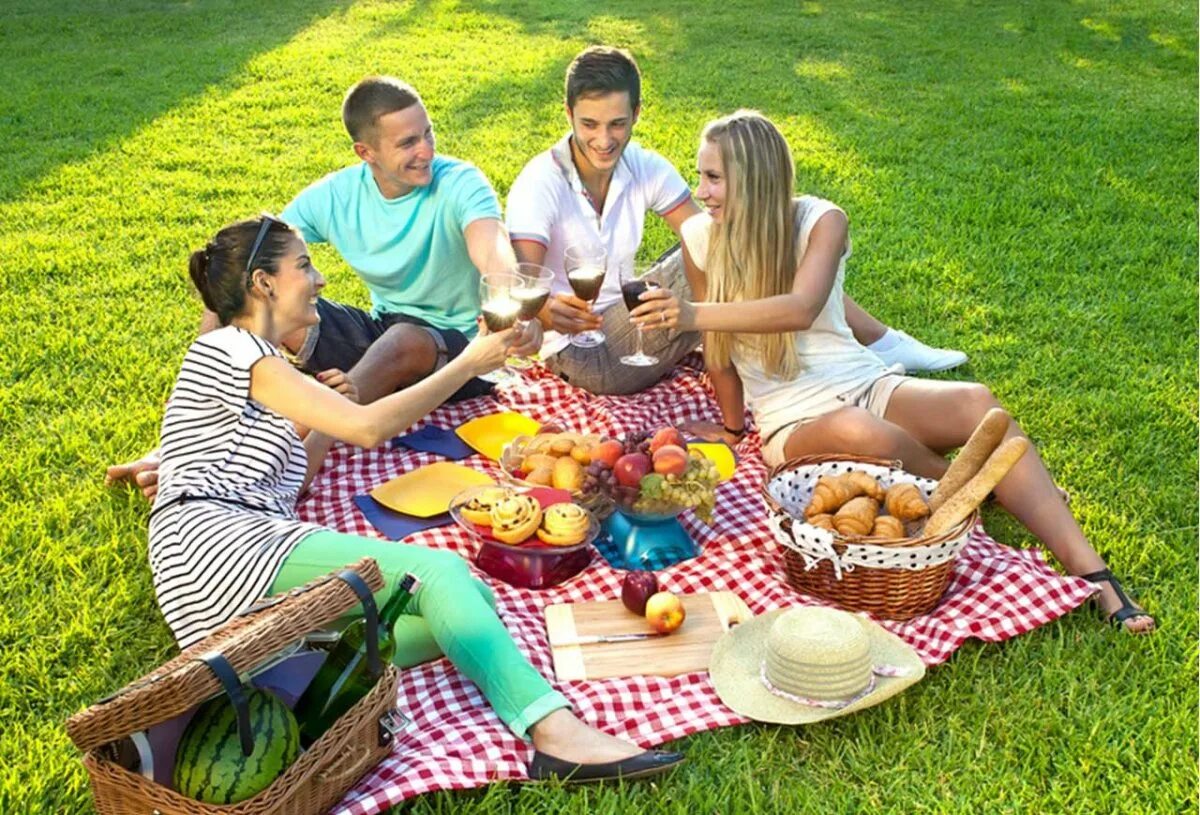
[(636, 589), (670, 459), (630, 468), (664, 436), (665, 612)]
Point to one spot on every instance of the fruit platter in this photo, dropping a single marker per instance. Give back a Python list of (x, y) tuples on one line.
[(529, 538), (639, 484)]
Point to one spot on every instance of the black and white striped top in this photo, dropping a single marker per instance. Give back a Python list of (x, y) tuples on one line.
[(225, 516)]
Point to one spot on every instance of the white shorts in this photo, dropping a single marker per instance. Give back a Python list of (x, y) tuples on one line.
[(873, 397)]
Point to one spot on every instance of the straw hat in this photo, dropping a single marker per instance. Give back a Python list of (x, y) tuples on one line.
[(802, 665)]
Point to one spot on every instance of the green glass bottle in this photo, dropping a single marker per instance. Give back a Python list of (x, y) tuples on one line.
[(345, 676)]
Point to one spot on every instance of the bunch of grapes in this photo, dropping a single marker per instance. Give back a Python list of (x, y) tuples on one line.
[(638, 441), (695, 489)]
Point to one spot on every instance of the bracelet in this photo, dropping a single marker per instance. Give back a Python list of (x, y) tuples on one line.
[(739, 432)]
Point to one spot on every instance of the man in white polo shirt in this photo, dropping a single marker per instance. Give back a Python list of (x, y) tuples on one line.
[(594, 187)]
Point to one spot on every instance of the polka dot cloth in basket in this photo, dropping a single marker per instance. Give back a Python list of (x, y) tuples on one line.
[(792, 489)]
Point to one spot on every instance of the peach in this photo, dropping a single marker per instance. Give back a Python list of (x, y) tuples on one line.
[(665, 436), (665, 612), (670, 460), (608, 452)]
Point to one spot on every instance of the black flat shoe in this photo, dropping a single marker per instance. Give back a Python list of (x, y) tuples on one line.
[(652, 762)]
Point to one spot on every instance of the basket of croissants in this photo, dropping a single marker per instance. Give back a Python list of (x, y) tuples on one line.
[(865, 535)]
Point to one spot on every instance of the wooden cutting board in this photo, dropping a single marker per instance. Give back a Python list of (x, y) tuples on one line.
[(709, 615)]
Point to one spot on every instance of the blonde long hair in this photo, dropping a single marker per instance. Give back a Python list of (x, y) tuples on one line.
[(752, 252)]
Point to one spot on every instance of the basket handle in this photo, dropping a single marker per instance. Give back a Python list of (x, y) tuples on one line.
[(370, 614), (219, 665)]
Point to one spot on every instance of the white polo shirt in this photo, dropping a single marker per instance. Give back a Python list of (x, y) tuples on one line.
[(549, 204)]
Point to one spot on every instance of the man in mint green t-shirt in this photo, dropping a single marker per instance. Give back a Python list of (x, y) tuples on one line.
[(419, 229)]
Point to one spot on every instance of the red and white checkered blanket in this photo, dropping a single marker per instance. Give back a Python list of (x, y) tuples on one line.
[(457, 742)]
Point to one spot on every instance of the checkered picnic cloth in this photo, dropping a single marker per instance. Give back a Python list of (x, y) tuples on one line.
[(457, 742)]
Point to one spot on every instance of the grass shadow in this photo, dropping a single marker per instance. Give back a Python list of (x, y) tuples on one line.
[(125, 64)]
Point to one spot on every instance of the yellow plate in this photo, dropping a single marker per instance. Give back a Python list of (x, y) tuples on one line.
[(427, 491), (489, 434), (718, 454)]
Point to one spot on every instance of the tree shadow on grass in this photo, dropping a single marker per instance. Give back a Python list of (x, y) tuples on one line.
[(123, 64)]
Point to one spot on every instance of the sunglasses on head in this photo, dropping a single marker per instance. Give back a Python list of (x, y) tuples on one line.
[(267, 221)]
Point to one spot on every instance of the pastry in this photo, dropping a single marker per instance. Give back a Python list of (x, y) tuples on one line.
[(828, 496), (986, 438), (905, 502), (568, 474), (863, 484), (479, 509), (823, 520), (965, 500), (857, 516), (537, 461), (542, 476), (564, 524), (515, 518), (887, 526)]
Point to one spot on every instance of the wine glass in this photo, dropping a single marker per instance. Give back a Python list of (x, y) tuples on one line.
[(500, 311), (585, 266), (632, 287), (531, 293)]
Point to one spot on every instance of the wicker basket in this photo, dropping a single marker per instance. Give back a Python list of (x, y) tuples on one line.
[(313, 783), (840, 572)]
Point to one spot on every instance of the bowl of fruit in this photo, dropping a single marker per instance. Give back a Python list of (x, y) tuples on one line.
[(654, 480), (657, 477), (529, 538), (565, 461)]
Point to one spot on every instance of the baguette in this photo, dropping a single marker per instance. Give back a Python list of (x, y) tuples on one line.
[(965, 500), (984, 440)]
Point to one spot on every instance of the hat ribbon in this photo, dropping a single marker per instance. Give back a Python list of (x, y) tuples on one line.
[(830, 704)]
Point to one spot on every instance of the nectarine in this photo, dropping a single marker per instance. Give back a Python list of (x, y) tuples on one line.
[(665, 612)]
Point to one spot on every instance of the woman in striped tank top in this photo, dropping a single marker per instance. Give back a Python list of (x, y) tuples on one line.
[(224, 530)]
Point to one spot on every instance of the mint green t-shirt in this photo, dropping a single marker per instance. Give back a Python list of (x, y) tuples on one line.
[(409, 251)]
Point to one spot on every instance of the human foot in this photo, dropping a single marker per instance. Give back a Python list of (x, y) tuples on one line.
[(1118, 608), (565, 737), (143, 473)]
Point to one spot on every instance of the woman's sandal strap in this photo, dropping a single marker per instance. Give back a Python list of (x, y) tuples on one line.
[(1127, 611)]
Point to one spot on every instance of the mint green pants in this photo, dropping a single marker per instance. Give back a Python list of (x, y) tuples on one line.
[(452, 614)]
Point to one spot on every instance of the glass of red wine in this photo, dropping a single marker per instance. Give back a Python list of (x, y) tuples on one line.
[(585, 266), (632, 288), (531, 292), (500, 311)]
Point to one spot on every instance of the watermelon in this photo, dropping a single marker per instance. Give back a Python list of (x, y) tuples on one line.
[(209, 765)]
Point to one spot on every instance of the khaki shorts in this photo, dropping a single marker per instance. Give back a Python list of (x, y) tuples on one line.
[(873, 397)]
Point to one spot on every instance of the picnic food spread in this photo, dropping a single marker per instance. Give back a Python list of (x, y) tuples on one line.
[(850, 504)]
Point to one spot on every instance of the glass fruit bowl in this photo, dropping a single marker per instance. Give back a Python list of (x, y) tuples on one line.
[(532, 563)]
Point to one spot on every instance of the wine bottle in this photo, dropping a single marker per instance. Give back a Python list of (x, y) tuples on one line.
[(345, 676)]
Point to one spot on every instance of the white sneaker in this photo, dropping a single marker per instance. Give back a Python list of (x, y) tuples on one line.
[(917, 357)]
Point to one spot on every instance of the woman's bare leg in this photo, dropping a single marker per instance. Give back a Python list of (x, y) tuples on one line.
[(941, 415), (855, 430)]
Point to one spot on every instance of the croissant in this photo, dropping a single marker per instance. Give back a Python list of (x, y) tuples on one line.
[(828, 496), (823, 520), (863, 484), (857, 516), (905, 502), (887, 526)]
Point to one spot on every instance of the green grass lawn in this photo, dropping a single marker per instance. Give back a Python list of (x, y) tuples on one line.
[(1021, 180)]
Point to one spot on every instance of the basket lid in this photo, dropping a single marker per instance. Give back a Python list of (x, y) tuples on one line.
[(246, 642)]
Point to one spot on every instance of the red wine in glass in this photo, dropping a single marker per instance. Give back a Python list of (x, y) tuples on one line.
[(586, 282), (530, 301), (631, 290), (500, 314)]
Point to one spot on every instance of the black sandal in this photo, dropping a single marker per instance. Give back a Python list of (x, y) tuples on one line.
[(1127, 611)]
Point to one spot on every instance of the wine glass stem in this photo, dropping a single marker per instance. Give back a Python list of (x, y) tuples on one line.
[(639, 341)]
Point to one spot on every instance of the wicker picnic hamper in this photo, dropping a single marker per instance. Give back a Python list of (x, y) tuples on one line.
[(892, 578), (314, 782)]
